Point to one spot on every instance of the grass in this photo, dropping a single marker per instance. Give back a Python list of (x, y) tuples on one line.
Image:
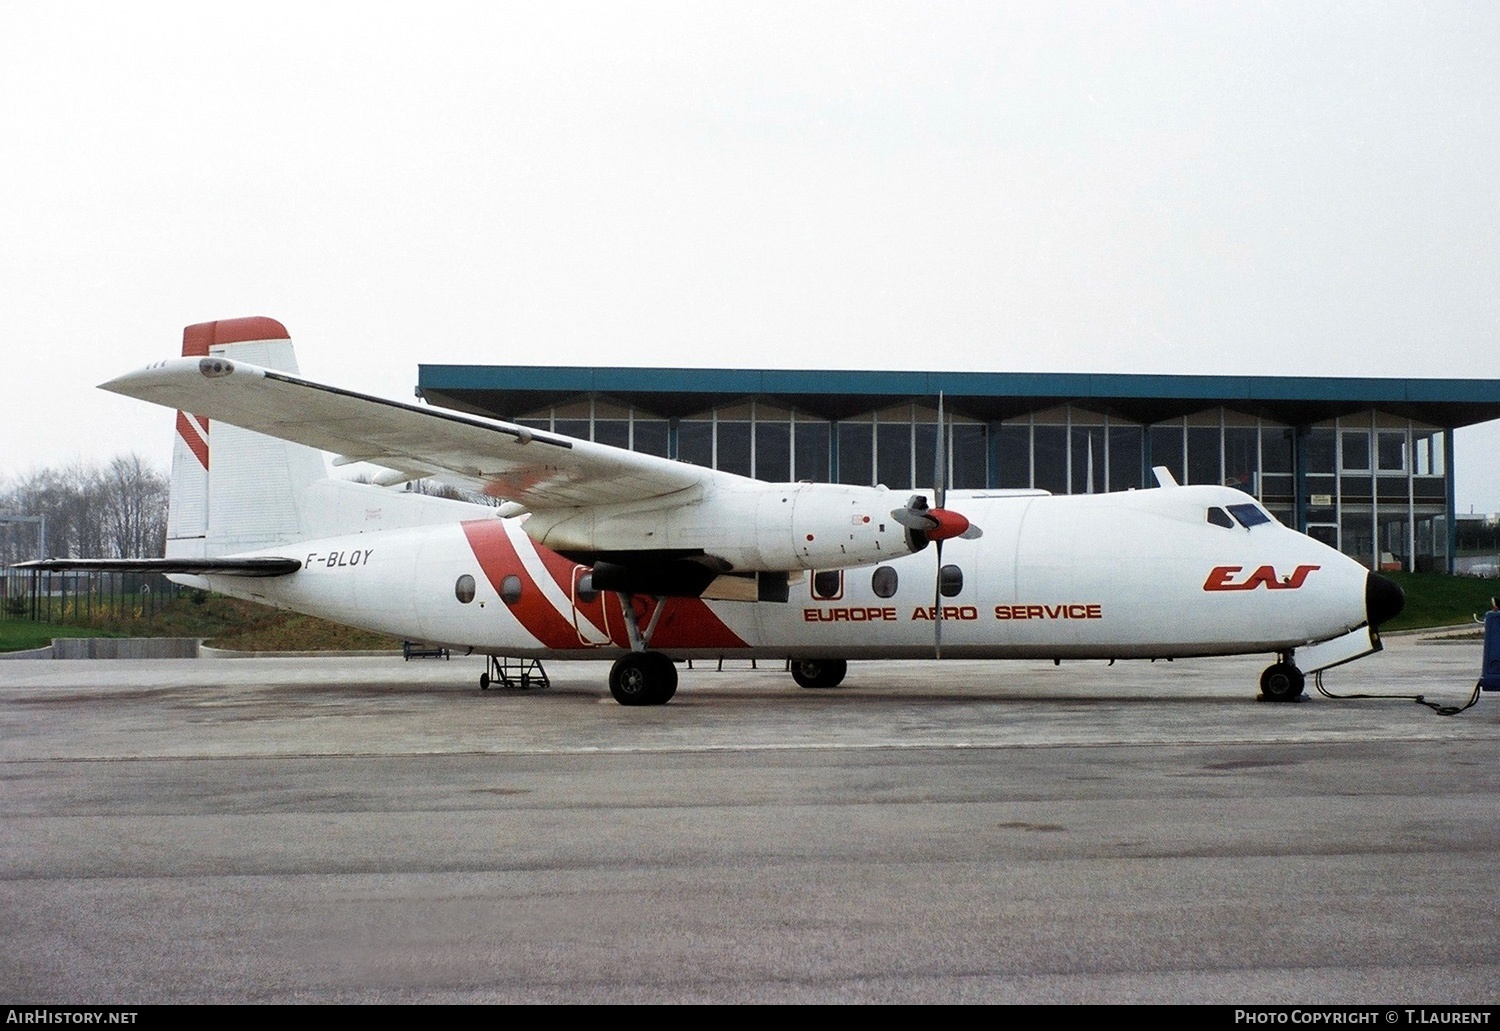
[(19, 635), (223, 622), (1436, 599)]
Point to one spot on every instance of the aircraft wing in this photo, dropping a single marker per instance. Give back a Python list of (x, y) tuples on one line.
[(537, 469)]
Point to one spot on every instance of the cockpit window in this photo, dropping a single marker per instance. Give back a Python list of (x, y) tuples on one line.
[(1219, 517), (1249, 515)]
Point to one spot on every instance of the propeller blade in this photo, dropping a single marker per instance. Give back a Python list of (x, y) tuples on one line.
[(940, 465), (937, 605), (949, 524), (916, 515)]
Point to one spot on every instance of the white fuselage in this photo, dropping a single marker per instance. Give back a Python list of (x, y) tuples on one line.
[(1136, 574)]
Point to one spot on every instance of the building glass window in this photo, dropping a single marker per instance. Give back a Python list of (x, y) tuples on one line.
[(773, 449), (811, 437), (1355, 450), (1429, 454), (967, 456), (1242, 458), (1051, 458), (893, 452), (856, 453), (1203, 455), (1014, 459), (924, 452), (695, 442), (1166, 449), (650, 436), (614, 432), (732, 446), (1125, 456), (1357, 528), (1088, 460), (1391, 450)]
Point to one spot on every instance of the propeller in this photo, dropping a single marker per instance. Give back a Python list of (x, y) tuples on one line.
[(949, 524), (935, 523)]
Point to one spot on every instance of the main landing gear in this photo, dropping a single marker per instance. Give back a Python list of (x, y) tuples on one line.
[(819, 672), (1282, 682), (643, 678)]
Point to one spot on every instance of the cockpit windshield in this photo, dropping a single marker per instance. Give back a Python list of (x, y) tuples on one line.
[(1249, 515)]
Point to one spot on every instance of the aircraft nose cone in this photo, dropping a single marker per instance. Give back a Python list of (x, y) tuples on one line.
[(1384, 599)]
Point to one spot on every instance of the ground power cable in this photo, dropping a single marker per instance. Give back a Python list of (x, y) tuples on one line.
[(1441, 710)]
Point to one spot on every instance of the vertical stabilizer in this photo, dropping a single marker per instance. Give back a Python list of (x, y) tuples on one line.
[(234, 490)]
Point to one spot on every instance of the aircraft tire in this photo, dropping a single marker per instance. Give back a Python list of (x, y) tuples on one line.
[(643, 678), (1281, 682), (666, 670), (819, 672)]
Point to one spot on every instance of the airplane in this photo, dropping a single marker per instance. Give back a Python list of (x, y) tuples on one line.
[(597, 552)]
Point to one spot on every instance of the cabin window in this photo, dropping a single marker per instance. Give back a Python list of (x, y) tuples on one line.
[(510, 589), (1219, 517), (950, 581), (828, 585), (883, 582), (464, 589), (1249, 515)]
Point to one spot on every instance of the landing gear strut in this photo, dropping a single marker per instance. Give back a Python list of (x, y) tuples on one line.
[(819, 672), (1281, 682), (643, 678)]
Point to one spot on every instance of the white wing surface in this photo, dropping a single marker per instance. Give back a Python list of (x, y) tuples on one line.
[(536, 469)]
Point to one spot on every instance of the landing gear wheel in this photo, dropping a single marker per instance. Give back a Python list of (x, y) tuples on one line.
[(484, 681), (1281, 682), (819, 672), (643, 678)]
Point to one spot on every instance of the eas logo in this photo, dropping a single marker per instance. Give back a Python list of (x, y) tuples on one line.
[(1221, 578)]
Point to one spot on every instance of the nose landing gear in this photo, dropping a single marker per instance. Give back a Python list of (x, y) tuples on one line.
[(1281, 682)]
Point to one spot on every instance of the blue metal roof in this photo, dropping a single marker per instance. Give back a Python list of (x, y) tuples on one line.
[(511, 390)]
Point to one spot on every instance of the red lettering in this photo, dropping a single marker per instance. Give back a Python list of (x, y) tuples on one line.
[(1296, 579), (1220, 579)]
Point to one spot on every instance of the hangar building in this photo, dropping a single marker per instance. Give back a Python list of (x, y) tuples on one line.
[(1365, 465)]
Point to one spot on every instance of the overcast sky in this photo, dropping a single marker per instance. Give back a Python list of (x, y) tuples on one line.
[(1140, 187)]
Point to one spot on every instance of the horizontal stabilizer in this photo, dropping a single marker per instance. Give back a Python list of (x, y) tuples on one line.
[(264, 566)]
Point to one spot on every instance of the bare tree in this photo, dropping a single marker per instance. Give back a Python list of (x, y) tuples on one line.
[(119, 511)]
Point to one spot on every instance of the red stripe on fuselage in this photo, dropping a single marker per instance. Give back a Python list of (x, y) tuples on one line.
[(497, 556), (196, 443), (563, 571), (686, 622)]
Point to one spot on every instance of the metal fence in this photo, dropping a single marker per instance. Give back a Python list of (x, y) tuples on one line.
[(47, 597)]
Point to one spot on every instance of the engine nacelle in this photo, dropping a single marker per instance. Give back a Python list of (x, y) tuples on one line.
[(754, 527)]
